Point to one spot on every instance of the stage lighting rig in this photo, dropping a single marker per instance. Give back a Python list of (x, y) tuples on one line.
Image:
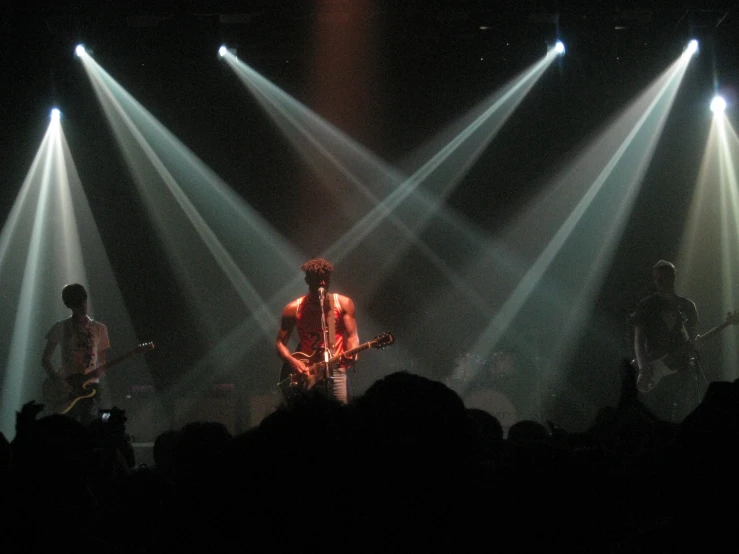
[(718, 105), (223, 50)]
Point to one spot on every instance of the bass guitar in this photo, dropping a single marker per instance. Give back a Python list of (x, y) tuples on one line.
[(669, 364), (319, 369), (60, 395)]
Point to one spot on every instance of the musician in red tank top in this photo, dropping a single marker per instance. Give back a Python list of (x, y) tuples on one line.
[(308, 323), (304, 314)]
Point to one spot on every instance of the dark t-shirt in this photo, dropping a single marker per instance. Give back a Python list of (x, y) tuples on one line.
[(668, 326)]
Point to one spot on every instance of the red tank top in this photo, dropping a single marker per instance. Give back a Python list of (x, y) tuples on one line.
[(308, 323)]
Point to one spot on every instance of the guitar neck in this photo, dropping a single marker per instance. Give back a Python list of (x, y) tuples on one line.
[(715, 330), (358, 349), (334, 362), (96, 371)]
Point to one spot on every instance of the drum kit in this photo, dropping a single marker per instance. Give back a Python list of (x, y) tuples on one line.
[(482, 383), (470, 367), (466, 369)]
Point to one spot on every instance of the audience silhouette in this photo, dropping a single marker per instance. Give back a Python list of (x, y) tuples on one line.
[(404, 465)]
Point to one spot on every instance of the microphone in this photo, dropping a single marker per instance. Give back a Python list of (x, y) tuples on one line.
[(321, 293)]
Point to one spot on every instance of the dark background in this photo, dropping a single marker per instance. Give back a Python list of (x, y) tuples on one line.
[(432, 62)]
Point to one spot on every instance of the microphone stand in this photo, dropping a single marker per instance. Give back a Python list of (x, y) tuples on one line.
[(326, 352)]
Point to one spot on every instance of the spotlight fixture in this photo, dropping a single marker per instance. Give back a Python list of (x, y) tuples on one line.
[(692, 47), (559, 47), (223, 50), (718, 105), (79, 50), (55, 114)]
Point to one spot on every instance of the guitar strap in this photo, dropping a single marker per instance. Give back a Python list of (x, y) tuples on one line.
[(331, 324), (684, 335)]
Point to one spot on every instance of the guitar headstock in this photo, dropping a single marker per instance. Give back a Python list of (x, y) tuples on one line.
[(381, 341), (143, 347)]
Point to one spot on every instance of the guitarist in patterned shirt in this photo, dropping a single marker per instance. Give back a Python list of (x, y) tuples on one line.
[(304, 314), (665, 344), (84, 343)]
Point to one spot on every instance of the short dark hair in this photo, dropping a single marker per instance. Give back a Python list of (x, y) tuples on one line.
[(664, 264), (317, 268), (74, 295)]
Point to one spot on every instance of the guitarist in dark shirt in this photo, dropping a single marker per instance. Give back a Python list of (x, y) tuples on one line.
[(665, 344)]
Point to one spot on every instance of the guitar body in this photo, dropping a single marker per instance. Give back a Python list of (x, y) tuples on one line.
[(291, 378), (659, 370), (320, 370), (60, 395), (669, 364)]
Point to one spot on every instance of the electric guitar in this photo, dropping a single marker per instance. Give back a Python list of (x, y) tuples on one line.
[(291, 380), (60, 395), (668, 364)]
